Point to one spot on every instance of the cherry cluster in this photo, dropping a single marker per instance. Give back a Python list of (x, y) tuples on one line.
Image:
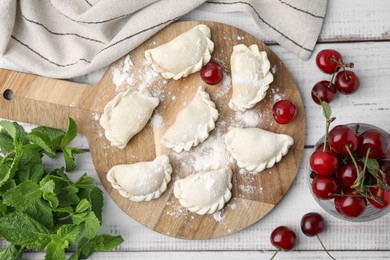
[(344, 81), (351, 168), (312, 224)]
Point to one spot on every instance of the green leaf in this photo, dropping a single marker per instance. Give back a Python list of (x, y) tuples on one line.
[(3, 210), (92, 225), (69, 232), (43, 141), (107, 242), (83, 206), (36, 172), (79, 218), (70, 163), (12, 253), (6, 142), (85, 182), (42, 213), (20, 229), (47, 186), (52, 199), (13, 129), (54, 135), (55, 251), (7, 186), (23, 195), (373, 166), (7, 172), (97, 200), (71, 133), (65, 210), (68, 197), (326, 110)]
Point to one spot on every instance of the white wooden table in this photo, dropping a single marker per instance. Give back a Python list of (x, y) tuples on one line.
[(358, 29)]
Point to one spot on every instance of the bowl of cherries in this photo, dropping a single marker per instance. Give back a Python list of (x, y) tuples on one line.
[(350, 172)]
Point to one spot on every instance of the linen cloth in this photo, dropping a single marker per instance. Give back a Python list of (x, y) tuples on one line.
[(69, 38)]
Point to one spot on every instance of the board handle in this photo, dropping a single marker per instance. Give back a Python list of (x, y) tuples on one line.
[(43, 101)]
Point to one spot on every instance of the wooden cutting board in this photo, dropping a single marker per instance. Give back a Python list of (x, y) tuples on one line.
[(49, 102)]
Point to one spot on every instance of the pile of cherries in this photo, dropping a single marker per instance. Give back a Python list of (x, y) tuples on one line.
[(344, 81), (350, 167)]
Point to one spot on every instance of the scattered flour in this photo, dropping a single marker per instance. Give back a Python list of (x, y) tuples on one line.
[(249, 118), (95, 116), (239, 37), (121, 74), (157, 121), (218, 216), (274, 69)]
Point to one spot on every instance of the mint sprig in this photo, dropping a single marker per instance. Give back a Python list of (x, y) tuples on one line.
[(46, 210)]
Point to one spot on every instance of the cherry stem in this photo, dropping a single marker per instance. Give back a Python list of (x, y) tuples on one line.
[(322, 244), (357, 181), (277, 251)]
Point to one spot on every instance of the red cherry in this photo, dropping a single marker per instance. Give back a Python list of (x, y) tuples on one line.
[(340, 136), (346, 82), (212, 73), (323, 91), (283, 237), (350, 206), (328, 60), (324, 163), (381, 193), (374, 140), (284, 111), (312, 224), (347, 173), (324, 187)]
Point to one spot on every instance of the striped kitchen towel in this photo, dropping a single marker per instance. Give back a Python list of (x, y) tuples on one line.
[(69, 38)]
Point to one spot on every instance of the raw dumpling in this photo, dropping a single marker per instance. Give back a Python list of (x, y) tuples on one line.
[(250, 76), (141, 181), (255, 149), (126, 115), (185, 54), (205, 192), (193, 123)]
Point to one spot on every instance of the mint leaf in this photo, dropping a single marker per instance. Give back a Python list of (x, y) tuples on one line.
[(92, 225), (106, 242), (83, 206), (70, 163), (8, 172), (20, 229), (55, 251), (43, 141), (42, 213), (69, 232), (12, 252), (96, 198), (23, 195), (54, 135), (71, 133), (6, 142), (13, 129), (85, 182)]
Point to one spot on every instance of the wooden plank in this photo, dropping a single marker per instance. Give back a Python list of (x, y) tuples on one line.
[(347, 20), (339, 235), (230, 255)]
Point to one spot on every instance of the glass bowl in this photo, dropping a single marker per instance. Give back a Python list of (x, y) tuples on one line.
[(370, 212)]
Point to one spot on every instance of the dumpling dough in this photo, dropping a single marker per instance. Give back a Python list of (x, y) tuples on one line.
[(193, 123), (205, 192), (250, 76), (185, 54), (126, 115), (255, 149), (141, 181)]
